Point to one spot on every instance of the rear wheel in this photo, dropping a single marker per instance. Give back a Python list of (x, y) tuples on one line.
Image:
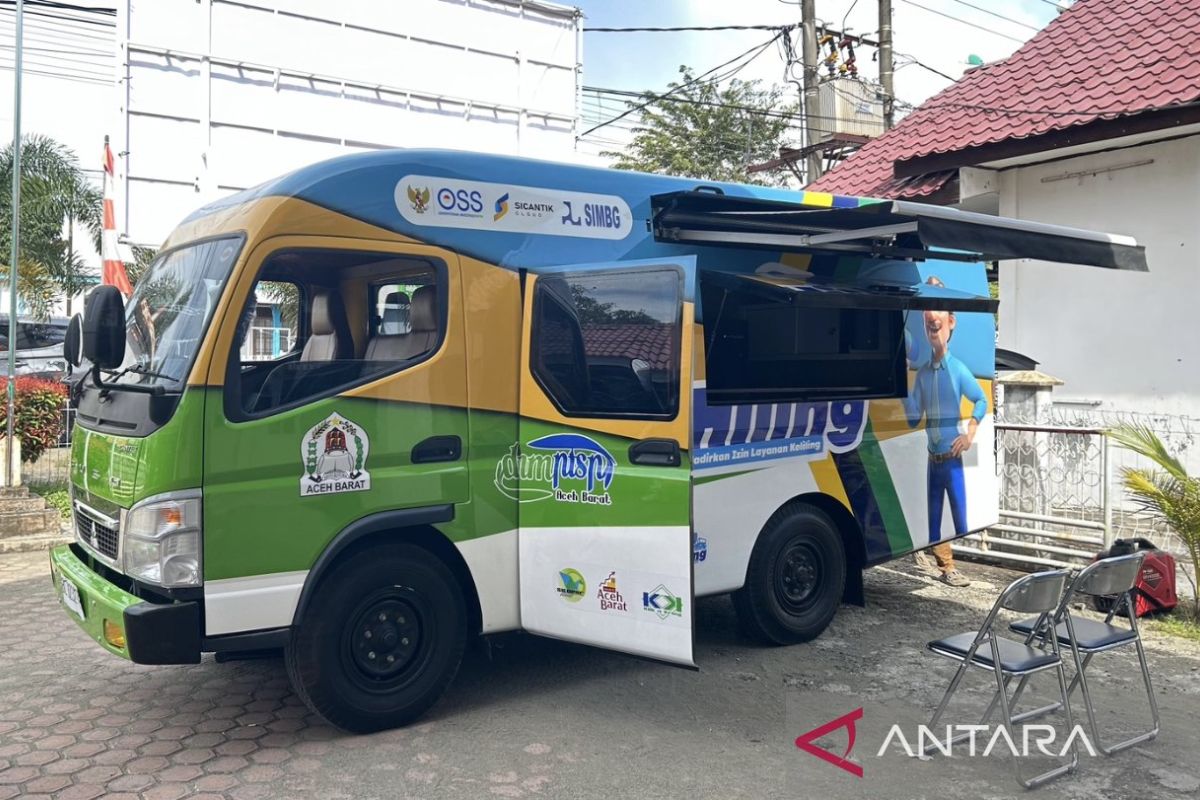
[(381, 640), (795, 578)]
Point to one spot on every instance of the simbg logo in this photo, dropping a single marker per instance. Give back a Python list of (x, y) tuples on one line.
[(572, 469)]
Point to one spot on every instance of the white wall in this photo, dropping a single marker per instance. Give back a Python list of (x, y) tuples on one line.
[(1128, 340), (223, 95)]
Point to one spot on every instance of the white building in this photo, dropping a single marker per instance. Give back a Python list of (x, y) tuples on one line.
[(202, 98)]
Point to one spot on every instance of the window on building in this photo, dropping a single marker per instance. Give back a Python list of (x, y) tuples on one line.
[(607, 344), (270, 326)]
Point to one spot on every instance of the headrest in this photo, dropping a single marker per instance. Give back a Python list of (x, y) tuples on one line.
[(322, 313), (395, 299), (423, 313)]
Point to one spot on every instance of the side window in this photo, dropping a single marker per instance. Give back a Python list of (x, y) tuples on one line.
[(323, 321), (269, 329), (607, 344)]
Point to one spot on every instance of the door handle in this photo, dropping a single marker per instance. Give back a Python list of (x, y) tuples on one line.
[(437, 448), (655, 453)]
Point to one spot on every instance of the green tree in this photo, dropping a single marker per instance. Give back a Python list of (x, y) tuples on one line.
[(54, 194), (1165, 490), (707, 132)]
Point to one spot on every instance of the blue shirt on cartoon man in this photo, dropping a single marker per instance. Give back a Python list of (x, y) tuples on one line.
[(937, 393)]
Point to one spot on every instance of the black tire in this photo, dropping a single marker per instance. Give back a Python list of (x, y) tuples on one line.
[(398, 602), (795, 578)]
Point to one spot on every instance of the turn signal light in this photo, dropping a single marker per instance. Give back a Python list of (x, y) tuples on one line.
[(114, 635)]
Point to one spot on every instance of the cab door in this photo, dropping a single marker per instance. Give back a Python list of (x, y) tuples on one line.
[(602, 474)]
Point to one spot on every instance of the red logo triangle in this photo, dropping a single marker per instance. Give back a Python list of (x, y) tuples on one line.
[(806, 742)]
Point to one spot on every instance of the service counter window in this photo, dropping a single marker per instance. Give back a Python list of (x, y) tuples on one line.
[(766, 345)]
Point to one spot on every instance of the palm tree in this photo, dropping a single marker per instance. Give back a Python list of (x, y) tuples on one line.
[(55, 194), (1165, 490)]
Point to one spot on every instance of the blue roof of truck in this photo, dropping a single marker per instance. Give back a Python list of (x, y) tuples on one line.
[(378, 188)]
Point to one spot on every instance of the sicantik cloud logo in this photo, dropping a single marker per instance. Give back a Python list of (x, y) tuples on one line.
[(501, 207)]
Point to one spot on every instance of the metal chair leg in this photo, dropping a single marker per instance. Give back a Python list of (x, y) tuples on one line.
[(1081, 680), (1006, 710), (958, 676)]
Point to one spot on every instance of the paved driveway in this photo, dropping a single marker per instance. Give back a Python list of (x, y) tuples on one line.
[(548, 719)]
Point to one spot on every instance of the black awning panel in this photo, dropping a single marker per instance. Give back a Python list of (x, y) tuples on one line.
[(889, 228), (814, 292)]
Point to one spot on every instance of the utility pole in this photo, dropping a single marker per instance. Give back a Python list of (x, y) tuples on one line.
[(808, 32), (886, 72), (10, 435)]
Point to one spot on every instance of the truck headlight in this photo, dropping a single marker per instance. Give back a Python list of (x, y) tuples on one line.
[(160, 540)]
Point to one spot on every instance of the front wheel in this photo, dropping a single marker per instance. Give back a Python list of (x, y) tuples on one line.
[(795, 578), (381, 640)]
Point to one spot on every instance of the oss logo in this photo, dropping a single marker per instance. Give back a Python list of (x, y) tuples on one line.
[(461, 200)]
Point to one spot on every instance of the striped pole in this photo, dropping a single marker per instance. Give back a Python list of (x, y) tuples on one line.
[(114, 268)]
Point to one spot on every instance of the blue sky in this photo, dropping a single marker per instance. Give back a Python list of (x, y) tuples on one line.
[(641, 61)]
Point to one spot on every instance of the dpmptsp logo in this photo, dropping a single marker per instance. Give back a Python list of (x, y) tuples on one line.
[(567, 467)]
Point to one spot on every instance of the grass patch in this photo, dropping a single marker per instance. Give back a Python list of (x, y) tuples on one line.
[(56, 495), (1179, 622)]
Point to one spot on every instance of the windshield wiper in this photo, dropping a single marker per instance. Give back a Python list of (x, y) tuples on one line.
[(141, 369), (135, 369)]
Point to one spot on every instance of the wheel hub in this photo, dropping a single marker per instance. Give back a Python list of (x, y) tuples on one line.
[(798, 576), (385, 638)]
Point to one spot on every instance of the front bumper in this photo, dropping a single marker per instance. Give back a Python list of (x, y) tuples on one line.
[(153, 633)]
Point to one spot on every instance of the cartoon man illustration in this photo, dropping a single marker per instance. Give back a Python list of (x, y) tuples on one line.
[(937, 394)]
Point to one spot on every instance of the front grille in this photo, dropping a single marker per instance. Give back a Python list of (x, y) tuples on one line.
[(96, 534)]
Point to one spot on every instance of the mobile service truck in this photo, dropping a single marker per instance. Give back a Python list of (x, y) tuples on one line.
[(396, 400)]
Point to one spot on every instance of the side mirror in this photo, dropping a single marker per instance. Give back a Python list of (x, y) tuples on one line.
[(103, 328), (73, 341)]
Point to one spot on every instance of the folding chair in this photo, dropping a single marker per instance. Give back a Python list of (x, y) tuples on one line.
[(1086, 638), (1039, 593)]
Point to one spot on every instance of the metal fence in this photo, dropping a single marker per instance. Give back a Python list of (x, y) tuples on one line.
[(1061, 495), (53, 467)]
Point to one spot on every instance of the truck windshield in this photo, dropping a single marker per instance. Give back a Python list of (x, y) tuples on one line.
[(168, 313)]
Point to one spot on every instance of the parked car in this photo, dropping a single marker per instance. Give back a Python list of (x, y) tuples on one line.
[(39, 346)]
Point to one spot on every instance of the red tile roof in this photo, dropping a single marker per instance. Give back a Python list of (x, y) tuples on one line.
[(1100, 59)]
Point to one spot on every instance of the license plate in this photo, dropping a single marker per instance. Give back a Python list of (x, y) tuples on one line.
[(71, 599)]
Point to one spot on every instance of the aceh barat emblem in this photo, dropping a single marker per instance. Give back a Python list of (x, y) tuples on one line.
[(334, 452)]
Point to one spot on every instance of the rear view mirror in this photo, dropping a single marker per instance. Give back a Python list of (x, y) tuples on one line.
[(73, 341), (103, 328)]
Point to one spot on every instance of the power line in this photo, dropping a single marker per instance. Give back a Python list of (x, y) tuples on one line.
[(963, 21), (693, 28), (998, 16), (59, 75), (104, 23), (753, 53), (914, 60), (60, 24), (112, 12)]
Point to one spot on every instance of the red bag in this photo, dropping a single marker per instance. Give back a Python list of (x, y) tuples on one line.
[(1154, 589)]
